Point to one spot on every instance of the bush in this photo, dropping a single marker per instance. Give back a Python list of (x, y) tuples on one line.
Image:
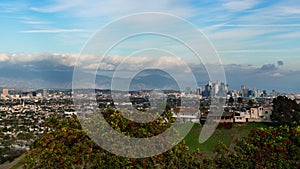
[(68, 146), (285, 111), (8, 154), (264, 148), (224, 125)]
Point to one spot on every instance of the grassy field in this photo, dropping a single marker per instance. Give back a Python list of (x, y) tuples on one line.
[(226, 136)]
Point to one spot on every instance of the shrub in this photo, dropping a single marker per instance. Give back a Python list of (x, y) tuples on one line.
[(68, 146), (224, 125), (264, 148)]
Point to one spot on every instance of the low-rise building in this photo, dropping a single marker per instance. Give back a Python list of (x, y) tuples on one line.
[(261, 113)]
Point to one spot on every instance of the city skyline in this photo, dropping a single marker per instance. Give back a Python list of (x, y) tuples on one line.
[(257, 41), (209, 89)]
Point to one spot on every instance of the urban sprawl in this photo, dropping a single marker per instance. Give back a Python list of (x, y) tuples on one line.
[(22, 113)]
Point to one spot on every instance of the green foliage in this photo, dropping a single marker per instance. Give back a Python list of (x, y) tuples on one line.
[(250, 103), (240, 100), (285, 111), (68, 146), (225, 125), (264, 148), (231, 100), (9, 154), (135, 129)]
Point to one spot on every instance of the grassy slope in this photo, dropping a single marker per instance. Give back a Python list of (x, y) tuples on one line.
[(226, 136)]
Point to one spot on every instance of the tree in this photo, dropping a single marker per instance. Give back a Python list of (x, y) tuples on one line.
[(240, 101), (264, 148), (285, 111), (250, 103), (231, 100), (68, 146)]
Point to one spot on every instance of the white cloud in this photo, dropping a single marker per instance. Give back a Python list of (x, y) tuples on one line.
[(137, 63), (59, 5), (278, 13), (30, 22), (240, 5), (91, 62), (288, 35), (92, 8), (53, 31), (11, 7), (290, 10), (238, 33), (236, 73), (255, 25), (4, 57), (231, 32), (65, 59), (251, 51), (102, 66)]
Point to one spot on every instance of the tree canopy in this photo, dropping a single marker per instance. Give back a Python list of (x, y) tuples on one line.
[(273, 147), (68, 146), (231, 100), (285, 111)]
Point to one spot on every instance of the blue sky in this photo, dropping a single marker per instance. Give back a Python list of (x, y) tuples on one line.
[(249, 35)]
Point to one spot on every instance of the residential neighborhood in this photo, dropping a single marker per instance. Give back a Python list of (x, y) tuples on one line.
[(22, 114)]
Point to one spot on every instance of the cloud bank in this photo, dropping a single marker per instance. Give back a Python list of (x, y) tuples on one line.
[(56, 70)]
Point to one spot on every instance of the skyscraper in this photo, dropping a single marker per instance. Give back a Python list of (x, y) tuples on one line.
[(44, 92), (5, 92), (243, 91)]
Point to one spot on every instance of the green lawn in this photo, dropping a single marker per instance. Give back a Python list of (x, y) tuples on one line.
[(226, 136)]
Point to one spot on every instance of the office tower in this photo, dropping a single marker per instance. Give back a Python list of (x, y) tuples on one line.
[(44, 92), (5, 92)]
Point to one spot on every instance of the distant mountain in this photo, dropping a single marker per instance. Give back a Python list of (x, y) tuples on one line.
[(51, 74), (43, 74), (35, 75), (153, 79)]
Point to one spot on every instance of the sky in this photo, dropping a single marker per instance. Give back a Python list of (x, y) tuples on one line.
[(257, 41)]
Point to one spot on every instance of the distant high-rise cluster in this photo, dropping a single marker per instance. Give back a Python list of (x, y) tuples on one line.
[(215, 89), (246, 92), (222, 90)]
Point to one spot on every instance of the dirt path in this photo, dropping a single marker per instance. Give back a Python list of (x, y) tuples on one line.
[(13, 163)]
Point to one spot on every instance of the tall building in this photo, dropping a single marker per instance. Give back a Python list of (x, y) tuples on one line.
[(274, 93), (243, 91), (4, 92), (256, 92), (250, 93), (223, 89), (215, 89), (199, 91), (44, 92), (264, 93), (207, 89)]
